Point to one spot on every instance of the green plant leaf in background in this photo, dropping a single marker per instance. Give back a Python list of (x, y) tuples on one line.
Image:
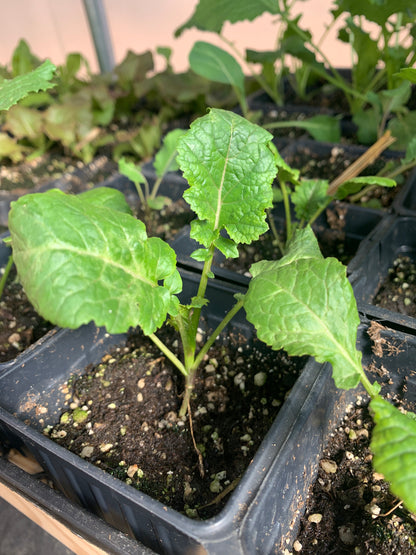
[(230, 167), (210, 15), (165, 158), (13, 90), (321, 127), (304, 303), (308, 197), (408, 73), (216, 64), (81, 261), (354, 185), (394, 446)]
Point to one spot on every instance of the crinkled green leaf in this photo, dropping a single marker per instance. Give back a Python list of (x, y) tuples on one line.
[(394, 446), (215, 64), (81, 261), (210, 15), (305, 305), (308, 197), (357, 183), (165, 159), (13, 90), (230, 168)]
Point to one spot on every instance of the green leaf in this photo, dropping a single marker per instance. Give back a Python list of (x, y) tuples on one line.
[(410, 151), (216, 64), (367, 121), (321, 127), (165, 159), (23, 60), (305, 304), (394, 446), (378, 12), (10, 148), (230, 168), (13, 90), (200, 255), (367, 51), (408, 73), (352, 186), (106, 197), (80, 261), (210, 15), (308, 197), (24, 122), (131, 171), (158, 202), (403, 128), (227, 247)]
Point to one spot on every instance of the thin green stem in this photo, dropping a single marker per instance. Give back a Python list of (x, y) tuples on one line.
[(171, 356), (159, 179), (286, 204), (6, 274), (214, 335), (274, 231)]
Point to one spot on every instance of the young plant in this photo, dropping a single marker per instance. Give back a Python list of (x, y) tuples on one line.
[(86, 258), (310, 197), (374, 93), (165, 161)]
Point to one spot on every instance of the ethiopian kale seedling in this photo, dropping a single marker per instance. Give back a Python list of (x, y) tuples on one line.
[(165, 161), (90, 259), (86, 258)]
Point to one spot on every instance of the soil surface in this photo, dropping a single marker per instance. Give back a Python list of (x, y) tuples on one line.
[(20, 324), (398, 290), (350, 508), (123, 417)]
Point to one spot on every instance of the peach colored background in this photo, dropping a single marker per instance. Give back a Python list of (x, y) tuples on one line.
[(53, 28)]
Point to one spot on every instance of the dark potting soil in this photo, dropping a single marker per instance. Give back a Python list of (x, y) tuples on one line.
[(20, 324), (350, 509), (123, 417), (75, 175), (398, 290), (168, 221)]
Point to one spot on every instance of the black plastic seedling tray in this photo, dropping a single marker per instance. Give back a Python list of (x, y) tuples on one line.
[(258, 515), (394, 236)]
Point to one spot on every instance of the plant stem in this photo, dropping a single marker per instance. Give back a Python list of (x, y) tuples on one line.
[(286, 204), (171, 356), (214, 335), (6, 274), (159, 179), (274, 231)]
